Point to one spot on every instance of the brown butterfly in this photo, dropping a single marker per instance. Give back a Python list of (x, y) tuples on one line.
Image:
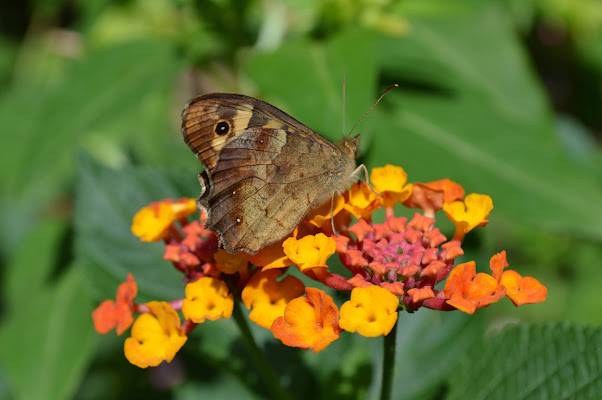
[(264, 170)]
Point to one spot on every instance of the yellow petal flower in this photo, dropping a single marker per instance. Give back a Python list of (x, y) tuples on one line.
[(207, 298), (268, 297), (390, 181), (310, 251), (326, 211), (371, 311), (156, 337), (469, 214), (362, 201), (184, 207), (152, 223)]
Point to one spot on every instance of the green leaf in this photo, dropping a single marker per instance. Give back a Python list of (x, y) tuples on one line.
[(429, 345), (106, 201), (533, 361), (28, 271), (482, 121), (316, 99), (47, 124), (46, 346)]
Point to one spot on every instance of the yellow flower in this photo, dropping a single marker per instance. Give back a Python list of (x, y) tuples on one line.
[(362, 201), (326, 211), (230, 263), (310, 251), (156, 337), (469, 214), (390, 181), (152, 223), (184, 207), (268, 297), (371, 311), (207, 298), (270, 257)]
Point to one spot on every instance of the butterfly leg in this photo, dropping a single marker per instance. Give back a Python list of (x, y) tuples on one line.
[(357, 172)]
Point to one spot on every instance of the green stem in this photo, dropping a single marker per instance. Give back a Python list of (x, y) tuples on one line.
[(388, 363), (266, 371)]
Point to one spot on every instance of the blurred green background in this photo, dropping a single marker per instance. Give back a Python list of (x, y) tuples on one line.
[(502, 96)]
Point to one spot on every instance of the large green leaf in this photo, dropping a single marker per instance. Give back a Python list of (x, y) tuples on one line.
[(305, 80), (46, 346), (533, 361), (44, 125), (106, 201), (487, 127), (29, 271)]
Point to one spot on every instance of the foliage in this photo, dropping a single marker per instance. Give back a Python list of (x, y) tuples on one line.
[(502, 96)]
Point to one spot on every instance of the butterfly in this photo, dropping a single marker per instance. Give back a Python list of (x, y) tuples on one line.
[(264, 170)]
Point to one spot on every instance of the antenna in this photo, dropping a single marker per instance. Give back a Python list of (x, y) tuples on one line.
[(371, 108), (343, 106)]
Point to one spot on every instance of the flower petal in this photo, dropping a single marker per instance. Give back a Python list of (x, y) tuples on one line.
[(371, 311), (110, 314), (308, 322), (156, 337), (525, 290), (268, 297), (230, 263), (469, 214), (362, 200), (310, 251), (390, 181), (207, 298)]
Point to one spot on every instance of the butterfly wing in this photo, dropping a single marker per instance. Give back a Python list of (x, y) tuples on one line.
[(264, 170)]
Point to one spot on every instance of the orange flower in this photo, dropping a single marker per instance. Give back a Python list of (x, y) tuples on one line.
[(110, 314), (156, 337), (310, 251), (362, 200), (270, 257), (268, 297), (469, 214), (431, 196), (371, 311), (521, 290), (152, 223), (308, 322), (231, 263), (421, 294), (468, 291), (390, 181), (207, 298), (326, 211)]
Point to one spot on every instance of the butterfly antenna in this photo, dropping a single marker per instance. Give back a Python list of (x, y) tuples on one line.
[(343, 106), (371, 108)]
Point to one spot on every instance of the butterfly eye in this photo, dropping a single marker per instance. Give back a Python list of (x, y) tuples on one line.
[(222, 128)]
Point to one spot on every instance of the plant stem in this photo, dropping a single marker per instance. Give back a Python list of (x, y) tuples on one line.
[(264, 368), (388, 363)]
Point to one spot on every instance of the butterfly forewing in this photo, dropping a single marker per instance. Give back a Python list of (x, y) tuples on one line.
[(264, 170)]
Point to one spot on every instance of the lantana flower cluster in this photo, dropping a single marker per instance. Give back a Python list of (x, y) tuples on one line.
[(391, 266)]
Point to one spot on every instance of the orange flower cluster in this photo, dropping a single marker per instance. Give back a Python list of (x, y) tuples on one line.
[(392, 265)]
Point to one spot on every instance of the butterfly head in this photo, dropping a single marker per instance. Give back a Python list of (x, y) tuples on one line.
[(351, 146)]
